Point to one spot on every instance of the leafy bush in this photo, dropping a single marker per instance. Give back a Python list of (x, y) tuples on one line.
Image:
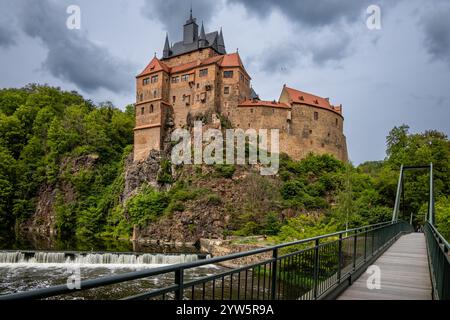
[(147, 206), (224, 170), (165, 172), (214, 199)]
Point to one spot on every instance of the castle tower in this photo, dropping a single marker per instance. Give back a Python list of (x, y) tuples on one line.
[(190, 30), (152, 91)]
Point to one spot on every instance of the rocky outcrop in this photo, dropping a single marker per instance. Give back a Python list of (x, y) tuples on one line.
[(136, 173), (198, 220), (218, 248), (42, 222)]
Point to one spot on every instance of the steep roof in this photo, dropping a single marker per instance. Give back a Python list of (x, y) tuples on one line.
[(227, 60), (194, 64), (233, 60), (301, 97), (263, 103), (154, 66), (195, 41)]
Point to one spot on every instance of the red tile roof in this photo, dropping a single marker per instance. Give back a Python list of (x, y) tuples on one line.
[(233, 60), (297, 96), (262, 103), (227, 60), (194, 64), (154, 66)]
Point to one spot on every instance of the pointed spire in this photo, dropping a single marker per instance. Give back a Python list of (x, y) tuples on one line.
[(166, 51), (202, 39), (202, 33), (190, 12), (221, 43)]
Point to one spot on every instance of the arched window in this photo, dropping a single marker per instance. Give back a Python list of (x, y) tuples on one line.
[(142, 110), (154, 94), (151, 108)]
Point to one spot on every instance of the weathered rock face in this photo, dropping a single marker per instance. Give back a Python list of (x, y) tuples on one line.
[(43, 220), (198, 220), (136, 173), (217, 248), (202, 218)]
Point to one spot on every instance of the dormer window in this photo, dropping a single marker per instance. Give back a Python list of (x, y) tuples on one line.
[(301, 98), (203, 72), (228, 74)]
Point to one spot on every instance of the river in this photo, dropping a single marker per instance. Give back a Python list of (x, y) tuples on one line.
[(27, 264)]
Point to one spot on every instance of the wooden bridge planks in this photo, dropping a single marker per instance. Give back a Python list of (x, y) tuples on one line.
[(404, 273)]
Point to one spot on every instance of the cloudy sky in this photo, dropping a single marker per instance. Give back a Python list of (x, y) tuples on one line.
[(383, 78)]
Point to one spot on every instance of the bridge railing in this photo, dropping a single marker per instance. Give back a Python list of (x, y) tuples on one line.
[(313, 268), (439, 261)]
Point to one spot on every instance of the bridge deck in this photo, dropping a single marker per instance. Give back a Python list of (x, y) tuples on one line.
[(404, 273)]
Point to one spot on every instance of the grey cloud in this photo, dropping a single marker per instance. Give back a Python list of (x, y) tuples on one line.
[(7, 33), (436, 26), (7, 37), (324, 23), (279, 59), (334, 48), (173, 13), (319, 50), (308, 12), (71, 55)]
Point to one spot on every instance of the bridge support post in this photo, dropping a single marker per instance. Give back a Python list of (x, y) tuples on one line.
[(431, 201), (339, 271), (365, 244), (316, 268), (355, 241), (179, 281), (274, 274), (397, 196)]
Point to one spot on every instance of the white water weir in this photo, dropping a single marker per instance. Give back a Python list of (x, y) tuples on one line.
[(90, 258)]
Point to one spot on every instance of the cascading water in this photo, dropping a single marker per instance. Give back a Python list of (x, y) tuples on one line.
[(39, 257), (26, 270)]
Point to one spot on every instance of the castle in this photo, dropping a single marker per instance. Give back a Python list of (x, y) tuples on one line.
[(197, 79)]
